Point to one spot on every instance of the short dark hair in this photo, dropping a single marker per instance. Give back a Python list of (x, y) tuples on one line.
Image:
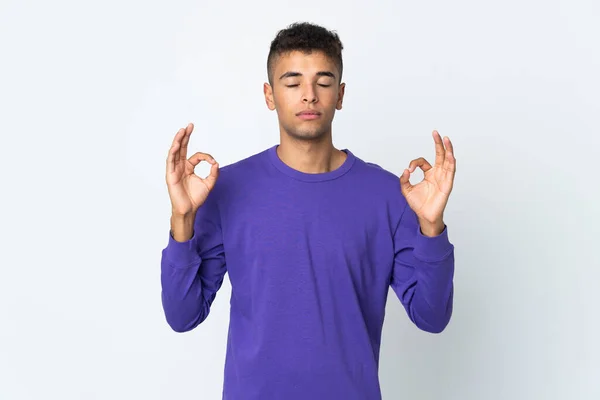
[(305, 37)]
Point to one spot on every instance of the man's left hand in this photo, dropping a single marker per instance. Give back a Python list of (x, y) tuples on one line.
[(429, 197)]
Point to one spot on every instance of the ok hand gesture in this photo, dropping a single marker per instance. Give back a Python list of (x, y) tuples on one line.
[(187, 190), (429, 197)]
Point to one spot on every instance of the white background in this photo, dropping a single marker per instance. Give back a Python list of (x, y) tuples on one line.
[(92, 93)]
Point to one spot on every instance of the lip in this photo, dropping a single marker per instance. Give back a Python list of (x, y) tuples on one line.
[(309, 114)]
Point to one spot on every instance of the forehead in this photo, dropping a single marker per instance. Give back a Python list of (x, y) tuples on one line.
[(306, 62)]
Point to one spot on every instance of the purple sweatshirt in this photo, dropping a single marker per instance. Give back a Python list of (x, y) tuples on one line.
[(310, 258)]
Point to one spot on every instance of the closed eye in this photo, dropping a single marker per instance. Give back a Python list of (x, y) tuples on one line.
[(322, 85)]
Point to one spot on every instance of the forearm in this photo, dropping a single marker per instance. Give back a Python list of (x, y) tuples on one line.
[(182, 296), (192, 270), (431, 303), (423, 274)]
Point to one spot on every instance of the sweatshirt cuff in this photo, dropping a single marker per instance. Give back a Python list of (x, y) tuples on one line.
[(182, 254), (432, 248)]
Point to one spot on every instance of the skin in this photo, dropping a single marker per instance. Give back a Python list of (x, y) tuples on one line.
[(303, 81), (429, 198)]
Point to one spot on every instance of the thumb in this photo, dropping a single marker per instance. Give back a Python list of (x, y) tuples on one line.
[(405, 185)]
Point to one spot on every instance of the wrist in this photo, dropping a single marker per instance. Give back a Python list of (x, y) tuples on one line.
[(182, 216), (182, 226), (432, 229)]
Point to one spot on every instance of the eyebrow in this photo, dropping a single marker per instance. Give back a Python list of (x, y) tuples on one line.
[(320, 73)]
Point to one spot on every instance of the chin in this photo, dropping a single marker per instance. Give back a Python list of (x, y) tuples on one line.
[(306, 134)]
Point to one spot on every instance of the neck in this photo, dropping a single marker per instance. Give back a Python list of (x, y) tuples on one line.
[(311, 157)]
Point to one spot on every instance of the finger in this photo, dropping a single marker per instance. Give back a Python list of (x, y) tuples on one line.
[(185, 140), (214, 174), (189, 128), (173, 153), (405, 185), (440, 152), (450, 162), (173, 156), (421, 163), (177, 140), (198, 157), (449, 145)]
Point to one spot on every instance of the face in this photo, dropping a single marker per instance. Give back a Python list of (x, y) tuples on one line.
[(305, 82)]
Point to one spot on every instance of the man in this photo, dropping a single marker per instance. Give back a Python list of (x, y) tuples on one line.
[(312, 238)]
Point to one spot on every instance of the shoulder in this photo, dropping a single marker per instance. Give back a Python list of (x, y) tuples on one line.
[(378, 172), (379, 184), (244, 166), (374, 175), (235, 176), (380, 188)]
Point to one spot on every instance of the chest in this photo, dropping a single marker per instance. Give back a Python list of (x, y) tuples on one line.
[(308, 227)]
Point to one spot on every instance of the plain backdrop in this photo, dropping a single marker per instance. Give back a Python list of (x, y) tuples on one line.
[(92, 93)]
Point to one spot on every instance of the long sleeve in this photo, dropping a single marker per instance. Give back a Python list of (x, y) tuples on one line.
[(423, 274), (192, 272)]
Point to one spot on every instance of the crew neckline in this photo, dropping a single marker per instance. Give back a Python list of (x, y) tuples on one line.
[(308, 177)]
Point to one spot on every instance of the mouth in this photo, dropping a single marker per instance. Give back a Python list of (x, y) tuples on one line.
[(309, 115)]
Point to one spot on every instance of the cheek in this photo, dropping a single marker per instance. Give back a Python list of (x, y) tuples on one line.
[(329, 98), (284, 101)]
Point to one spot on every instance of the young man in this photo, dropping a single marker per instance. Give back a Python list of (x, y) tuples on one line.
[(312, 238)]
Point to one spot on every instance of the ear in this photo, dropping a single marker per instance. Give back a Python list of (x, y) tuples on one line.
[(268, 91), (341, 92)]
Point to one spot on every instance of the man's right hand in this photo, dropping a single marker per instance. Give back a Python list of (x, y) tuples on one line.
[(187, 190)]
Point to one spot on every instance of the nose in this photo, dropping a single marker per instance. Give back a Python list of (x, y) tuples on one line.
[(309, 95)]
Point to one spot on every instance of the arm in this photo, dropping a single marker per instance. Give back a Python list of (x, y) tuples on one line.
[(423, 257), (193, 263), (192, 270), (423, 272)]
